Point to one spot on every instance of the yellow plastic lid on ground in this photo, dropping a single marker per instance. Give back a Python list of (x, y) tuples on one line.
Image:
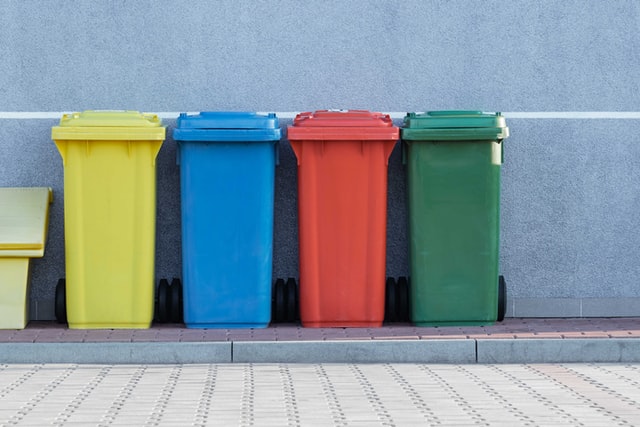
[(24, 220)]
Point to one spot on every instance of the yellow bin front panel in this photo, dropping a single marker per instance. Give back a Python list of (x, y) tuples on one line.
[(14, 293), (110, 212)]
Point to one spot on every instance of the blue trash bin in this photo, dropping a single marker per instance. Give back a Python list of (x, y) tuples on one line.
[(227, 168)]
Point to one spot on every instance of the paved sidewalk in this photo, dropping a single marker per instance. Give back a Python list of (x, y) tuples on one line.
[(320, 395), (511, 341), (510, 328)]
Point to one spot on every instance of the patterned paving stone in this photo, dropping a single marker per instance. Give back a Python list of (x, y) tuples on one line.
[(320, 395)]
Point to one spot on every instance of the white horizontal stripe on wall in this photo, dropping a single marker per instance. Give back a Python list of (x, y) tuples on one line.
[(27, 115)]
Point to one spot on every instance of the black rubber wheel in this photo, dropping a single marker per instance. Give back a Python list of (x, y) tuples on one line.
[(278, 303), (390, 300), (402, 300), (61, 301), (502, 298), (162, 302), (176, 308), (292, 300)]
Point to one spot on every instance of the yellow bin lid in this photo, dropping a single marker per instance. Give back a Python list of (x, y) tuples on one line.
[(24, 218), (109, 125)]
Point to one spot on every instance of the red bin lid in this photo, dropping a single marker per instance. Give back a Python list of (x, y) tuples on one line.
[(342, 125)]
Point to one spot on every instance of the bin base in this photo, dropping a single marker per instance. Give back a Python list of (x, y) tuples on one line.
[(226, 325), (349, 324), (14, 292), (109, 325), (455, 323)]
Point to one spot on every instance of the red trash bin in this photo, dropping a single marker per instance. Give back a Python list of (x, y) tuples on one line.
[(342, 203)]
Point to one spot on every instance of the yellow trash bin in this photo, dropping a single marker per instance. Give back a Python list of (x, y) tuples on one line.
[(109, 160), (24, 220)]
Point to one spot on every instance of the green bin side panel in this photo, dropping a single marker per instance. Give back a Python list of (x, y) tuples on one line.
[(454, 221)]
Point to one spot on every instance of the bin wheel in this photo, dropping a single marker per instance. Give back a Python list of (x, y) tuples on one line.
[(61, 301), (176, 308), (163, 301), (402, 300), (292, 300), (390, 300), (278, 303), (502, 298)]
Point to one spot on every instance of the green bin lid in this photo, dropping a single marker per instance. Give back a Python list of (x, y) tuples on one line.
[(454, 126), (109, 125)]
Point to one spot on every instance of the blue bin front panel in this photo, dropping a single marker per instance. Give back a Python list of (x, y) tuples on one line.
[(227, 232)]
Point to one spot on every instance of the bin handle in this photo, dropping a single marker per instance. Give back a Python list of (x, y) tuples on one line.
[(296, 146), (388, 147)]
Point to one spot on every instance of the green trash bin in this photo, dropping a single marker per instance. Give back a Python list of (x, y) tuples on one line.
[(453, 160)]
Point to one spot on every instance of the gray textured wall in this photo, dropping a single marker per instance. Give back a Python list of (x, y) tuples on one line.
[(570, 239)]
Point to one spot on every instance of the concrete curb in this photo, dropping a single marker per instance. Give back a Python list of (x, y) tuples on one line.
[(583, 350), (401, 351), (454, 351), (117, 353)]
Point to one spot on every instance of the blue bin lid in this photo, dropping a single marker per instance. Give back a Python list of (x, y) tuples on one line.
[(227, 126)]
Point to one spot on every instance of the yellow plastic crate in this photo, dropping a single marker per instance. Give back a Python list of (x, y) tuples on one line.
[(109, 162), (24, 221)]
